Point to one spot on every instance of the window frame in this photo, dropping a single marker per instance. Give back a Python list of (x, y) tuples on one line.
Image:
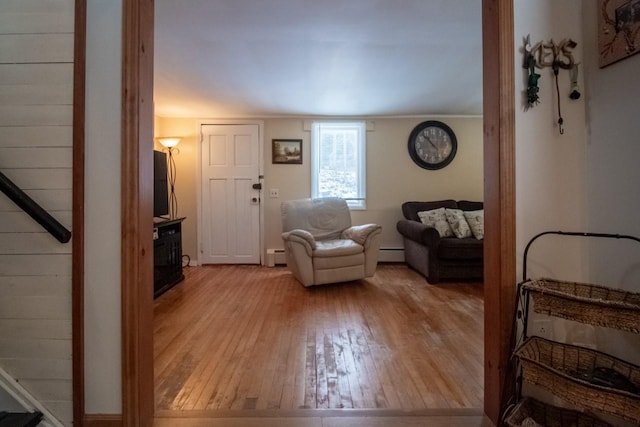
[(360, 201)]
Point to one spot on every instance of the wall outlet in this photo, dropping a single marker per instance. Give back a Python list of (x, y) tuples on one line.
[(274, 193), (542, 328)]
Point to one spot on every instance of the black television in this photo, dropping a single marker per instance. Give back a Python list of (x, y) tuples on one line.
[(160, 188)]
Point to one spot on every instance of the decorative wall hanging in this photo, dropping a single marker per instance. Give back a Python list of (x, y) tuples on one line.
[(286, 151), (557, 56), (618, 30), (532, 80)]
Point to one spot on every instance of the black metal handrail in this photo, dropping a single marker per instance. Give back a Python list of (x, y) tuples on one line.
[(34, 210)]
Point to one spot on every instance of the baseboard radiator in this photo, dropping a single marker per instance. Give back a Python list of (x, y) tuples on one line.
[(26, 400), (277, 257)]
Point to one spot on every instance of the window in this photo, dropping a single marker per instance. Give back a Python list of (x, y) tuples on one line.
[(338, 161)]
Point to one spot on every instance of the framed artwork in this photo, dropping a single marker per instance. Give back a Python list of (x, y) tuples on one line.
[(618, 30), (286, 151)]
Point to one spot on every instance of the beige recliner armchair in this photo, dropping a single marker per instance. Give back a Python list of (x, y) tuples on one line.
[(322, 247)]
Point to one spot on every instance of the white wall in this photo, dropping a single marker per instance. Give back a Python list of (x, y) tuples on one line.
[(584, 180), (102, 215), (613, 150), (392, 177), (550, 168), (36, 98), (613, 153)]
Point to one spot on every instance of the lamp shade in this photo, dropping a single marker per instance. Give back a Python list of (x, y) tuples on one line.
[(169, 141)]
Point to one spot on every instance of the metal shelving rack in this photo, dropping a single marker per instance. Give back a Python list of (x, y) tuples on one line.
[(560, 368)]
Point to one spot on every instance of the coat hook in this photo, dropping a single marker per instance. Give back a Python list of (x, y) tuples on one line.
[(556, 69)]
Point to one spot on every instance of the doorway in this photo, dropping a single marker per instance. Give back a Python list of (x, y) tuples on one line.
[(498, 67), (230, 171)]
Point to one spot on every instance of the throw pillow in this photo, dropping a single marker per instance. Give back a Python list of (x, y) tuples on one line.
[(436, 218), (458, 224), (475, 219)]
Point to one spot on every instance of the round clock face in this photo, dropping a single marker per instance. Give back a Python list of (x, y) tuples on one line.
[(432, 145)]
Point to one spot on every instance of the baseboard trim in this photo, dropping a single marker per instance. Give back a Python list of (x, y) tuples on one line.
[(321, 413), (102, 420), (275, 257), (391, 255)]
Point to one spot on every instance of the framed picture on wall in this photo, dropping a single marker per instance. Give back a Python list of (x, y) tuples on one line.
[(618, 30), (286, 151)]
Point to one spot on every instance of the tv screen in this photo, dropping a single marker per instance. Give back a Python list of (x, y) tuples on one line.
[(160, 188)]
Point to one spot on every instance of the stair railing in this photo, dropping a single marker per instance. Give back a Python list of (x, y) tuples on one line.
[(34, 210), (25, 399)]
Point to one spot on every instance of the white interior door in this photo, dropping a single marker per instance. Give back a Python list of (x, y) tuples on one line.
[(230, 205)]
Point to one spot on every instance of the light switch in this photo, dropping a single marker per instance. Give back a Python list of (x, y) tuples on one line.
[(274, 193)]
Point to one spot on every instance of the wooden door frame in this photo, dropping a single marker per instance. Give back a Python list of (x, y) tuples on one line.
[(137, 213), (78, 188), (499, 201), (137, 249), (199, 206)]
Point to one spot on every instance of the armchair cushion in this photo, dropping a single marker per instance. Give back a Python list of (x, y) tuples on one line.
[(337, 248), (301, 237), (325, 218), (360, 233), (302, 234)]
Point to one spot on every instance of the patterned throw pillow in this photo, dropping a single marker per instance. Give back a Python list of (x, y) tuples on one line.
[(475, 219), (436, 218), (458, 224)]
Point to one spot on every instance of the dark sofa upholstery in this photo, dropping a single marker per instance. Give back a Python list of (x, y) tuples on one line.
[(439, 258)]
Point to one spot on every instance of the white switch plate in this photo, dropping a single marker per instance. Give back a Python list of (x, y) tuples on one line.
[(274, 193)]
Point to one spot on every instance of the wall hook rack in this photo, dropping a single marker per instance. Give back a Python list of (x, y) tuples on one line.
[(557, 56)]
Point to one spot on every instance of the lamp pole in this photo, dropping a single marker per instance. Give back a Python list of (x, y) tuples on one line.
[(173, 200), (170, 144)]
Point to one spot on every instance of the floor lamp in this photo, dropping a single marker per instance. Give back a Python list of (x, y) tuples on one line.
[(170, 144)]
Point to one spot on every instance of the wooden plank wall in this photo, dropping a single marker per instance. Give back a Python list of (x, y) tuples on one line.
[(36, 103)]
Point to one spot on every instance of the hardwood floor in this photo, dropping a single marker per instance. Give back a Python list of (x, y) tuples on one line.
[(250, 338)]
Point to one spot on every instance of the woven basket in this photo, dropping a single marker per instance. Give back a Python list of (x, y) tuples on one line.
[(592, 304), (550, 416), (556, 367)]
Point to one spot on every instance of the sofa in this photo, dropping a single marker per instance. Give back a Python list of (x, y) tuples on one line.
[(437, 257), (322, 246)]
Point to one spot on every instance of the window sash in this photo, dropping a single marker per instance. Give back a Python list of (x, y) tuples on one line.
[(340, 152)]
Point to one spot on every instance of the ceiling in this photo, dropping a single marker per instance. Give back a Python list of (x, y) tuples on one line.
[(261, 58)]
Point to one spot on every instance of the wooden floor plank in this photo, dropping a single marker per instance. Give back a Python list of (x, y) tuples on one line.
[(251, 338), (210, 380)]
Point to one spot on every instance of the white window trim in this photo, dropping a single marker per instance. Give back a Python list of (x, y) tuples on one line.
[(354, 204)]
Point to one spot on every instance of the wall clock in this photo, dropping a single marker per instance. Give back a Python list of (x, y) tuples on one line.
[(432, 145)]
